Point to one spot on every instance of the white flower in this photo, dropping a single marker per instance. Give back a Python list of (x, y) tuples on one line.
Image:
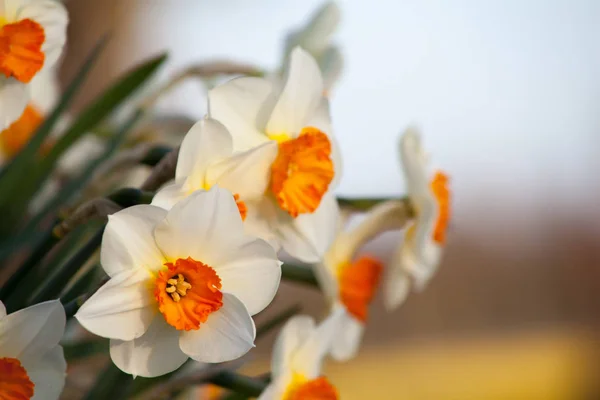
[(419, 255), (184, 283), (299, 204), (350, 282), (297, 357), (206, 159), (32, 364), (33, 33), (316, 38)]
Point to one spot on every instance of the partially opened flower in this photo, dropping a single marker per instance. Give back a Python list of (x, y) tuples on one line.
[(299, 203), (419, 255), (350, 281), (206, 159), (316, 38), (184, 283), (44, 95), (32, 36), (32, 364), (297, 358)]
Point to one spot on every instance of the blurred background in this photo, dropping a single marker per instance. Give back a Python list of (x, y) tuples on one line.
[(507, 93)]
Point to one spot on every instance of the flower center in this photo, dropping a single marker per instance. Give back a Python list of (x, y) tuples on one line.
[(302, 172), (358, 282), (187, 292), (14, 381), (21, 53), (439, 187), (243, 209), (315, 389), (16, 136)]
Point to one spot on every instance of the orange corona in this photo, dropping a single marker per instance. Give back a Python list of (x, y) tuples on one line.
[(315, 389), (16, 136), (302, 172), (187, 292), (242, 208), (439, 187), (21, 55), (14, 381), (358, 282)]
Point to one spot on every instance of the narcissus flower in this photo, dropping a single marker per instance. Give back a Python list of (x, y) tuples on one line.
[(316, 38), (206, 159), (184, 283), (419, 255), (32, 364), (32, 36), (297, 358), (299, 203), (349, 281), (44, 94)]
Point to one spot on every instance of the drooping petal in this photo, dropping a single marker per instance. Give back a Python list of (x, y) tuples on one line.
[(154, 353), (128, 241), (326, 274), (246, 174), (309, 357), (2, 310), (294, 333), (240, 104), (396, 288), (52, 16), (32, 331), (204, 226), (251, 272), (348, 336), (275, 391), (121, 309), (13, 100), (205, 144), (315, 36), (300, 97), (308, 236), (227, 334), (47, 372), (414, 163), (170, 194)]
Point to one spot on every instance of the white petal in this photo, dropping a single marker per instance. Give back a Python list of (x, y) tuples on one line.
[(251, 272), (315, 37), (325, 272), (32, 331), (348, 337), (45, 91), (247, 173), (154, 353), (396, 288), (240, 104), (331, 63), (128, 240), (261, 221), (308, 236), (2, 310), (309, 357), (414, 163), (170, 194), (14, 96), (121, 309), (48, 374), (204, 226), (206, 143), (291, 337), (226, 335), (275, 391), (300, 97), (53, 17)]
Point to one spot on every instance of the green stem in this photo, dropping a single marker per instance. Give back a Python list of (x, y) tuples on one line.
[(155, 154), (239, 383), (299, 273), (128, 197)]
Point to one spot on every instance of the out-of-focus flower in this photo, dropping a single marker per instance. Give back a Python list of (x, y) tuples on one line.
[(300, 205), (297, 358), (315, 37), (184, 283), (206, 159), (32, 36), (32, 364), (350, 282), (419, 255), (44, 95)]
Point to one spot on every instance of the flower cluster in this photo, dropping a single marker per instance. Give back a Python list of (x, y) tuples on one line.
[(254, 179)]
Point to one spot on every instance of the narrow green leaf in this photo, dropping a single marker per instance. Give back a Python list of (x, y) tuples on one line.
[(111, 384), (86, 348), (299, 273), (239, 383)]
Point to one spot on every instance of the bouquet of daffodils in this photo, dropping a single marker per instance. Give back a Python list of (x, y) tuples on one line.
[(141, 245)]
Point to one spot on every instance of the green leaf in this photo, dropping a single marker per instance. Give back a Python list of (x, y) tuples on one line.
[(111, 384), (85, 348), (239, 383), (277, 320), (299, 273)]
